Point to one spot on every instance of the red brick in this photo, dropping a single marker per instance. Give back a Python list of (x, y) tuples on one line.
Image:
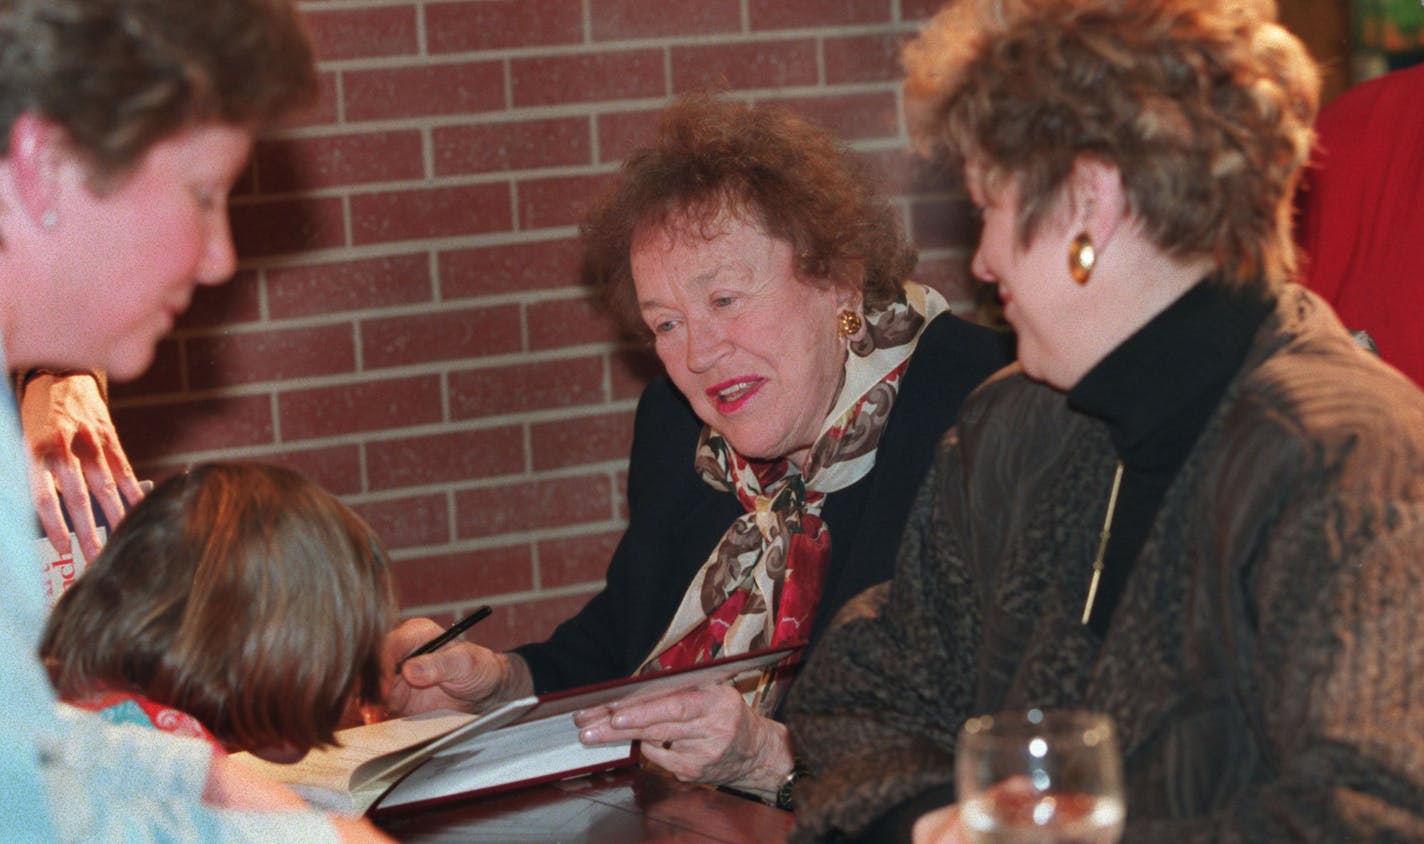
[(934, 176), (863, 58), (363, 33), (529, 621), (337, 160), (568, 322), (587, 77), (487, 25), (620, 495), (562, 201), (423, 90), (532, 505), (521, 145), (513, 624), (620, 133), (780, 14), (153, 431), (288, 225), (234, 301), (524, 387), (352, 408), (915, 10), (755, 64), (874, 114), (897, 169), (349, 286), (245, 185), (430, 212), (630, 370), (579, 442), (510, 268), (322, 112), (445, 457), (484, 572), (336, 468), (576, 559), (943, 223), (408, 522), (157, 472), (615, 20), (232, 358), (164, 375), (445, 334), (950, 276)]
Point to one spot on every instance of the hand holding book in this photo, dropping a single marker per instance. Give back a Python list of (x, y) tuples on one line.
[(702, 734), (437, 756)]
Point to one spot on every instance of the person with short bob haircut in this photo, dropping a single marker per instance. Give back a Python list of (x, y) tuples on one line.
[(240, 595)]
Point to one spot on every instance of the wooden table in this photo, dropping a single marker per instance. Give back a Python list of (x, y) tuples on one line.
[(620, 807)]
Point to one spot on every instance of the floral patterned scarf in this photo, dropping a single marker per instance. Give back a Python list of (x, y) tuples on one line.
[(762, 583)]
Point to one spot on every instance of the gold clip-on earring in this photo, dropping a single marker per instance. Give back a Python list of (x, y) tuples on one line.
[(1081, 258), (850, 323)]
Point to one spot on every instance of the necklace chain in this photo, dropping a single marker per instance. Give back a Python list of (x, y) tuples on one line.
[(1102, 544)]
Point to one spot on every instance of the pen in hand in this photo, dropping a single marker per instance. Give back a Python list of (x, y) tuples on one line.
[(448, 636)]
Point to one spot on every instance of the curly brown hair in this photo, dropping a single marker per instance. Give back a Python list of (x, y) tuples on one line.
[(121, 75), (790, 177), (240, 593), (1204, 106)]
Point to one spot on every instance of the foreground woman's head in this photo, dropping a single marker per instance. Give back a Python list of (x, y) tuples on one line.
[(123, 125)]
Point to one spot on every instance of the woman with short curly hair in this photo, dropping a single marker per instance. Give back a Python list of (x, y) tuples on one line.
[(1195, 505), (772, 467)]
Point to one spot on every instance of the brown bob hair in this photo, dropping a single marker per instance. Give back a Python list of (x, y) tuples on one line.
[(121, 75), (713, 156), (1204, 106), (240, 593)]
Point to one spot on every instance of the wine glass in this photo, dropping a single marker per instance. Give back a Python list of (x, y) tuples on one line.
[(1039, 777)]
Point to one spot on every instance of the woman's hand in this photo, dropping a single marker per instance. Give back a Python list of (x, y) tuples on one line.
[(940, 826), (76, 452), (461, 675), (706, 735)]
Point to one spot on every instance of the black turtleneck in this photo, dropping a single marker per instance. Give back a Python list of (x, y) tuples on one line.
[(1156, 391)]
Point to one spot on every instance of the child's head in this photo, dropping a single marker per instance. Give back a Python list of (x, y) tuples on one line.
[(240, 593)]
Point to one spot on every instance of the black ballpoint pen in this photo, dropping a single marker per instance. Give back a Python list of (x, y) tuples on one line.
[(449, 635)]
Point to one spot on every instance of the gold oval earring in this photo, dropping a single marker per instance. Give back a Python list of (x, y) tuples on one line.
[(850, 323), (1081, 258)]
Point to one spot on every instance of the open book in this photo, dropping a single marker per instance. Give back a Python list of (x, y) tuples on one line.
[(436, 756)]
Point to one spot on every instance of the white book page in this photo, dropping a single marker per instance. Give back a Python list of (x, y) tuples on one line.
[(327, 776), (511, 755)]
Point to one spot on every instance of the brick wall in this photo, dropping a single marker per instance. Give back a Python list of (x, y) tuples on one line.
[(407, 326)]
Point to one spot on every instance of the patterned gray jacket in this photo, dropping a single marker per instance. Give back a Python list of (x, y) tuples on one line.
[(1265, 665)]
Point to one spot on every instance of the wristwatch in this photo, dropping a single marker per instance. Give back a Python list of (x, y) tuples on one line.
[(786, 793)]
